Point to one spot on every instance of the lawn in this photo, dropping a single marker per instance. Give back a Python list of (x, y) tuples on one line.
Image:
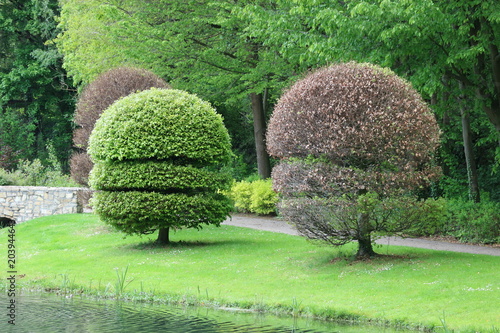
[(240, 267)]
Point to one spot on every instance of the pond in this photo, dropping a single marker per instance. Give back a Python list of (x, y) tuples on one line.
[(52, 314)]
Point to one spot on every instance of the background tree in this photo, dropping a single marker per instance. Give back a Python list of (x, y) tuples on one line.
[(36, 100), (205, 47), (156, 154), (97, 97), (448, 50), (353, 140)]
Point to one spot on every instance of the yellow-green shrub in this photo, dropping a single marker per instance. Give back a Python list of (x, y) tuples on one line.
[(254, 197)]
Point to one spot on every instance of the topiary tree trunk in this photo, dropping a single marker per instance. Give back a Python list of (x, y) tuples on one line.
[(365, 247), (163, 236)]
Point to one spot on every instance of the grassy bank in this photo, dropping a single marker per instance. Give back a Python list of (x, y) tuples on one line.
[(231, 266)]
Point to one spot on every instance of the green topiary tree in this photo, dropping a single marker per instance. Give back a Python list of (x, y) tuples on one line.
[(353, 140), (156, 156), (97, 97)]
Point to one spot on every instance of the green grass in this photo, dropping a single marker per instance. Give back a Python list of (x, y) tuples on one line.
[(240, 267)]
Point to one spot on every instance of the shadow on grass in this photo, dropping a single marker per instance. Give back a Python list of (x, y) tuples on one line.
[(349, 258), (149, 245)]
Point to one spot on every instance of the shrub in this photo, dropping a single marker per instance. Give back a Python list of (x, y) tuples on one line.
[(240, 193), (8, 178), (464, 220), (263, 199), (348, 131), (432, 218), (98, 96), (157, 155), (473, 222), (8, 157), (254, 197), (33, 173), (80, 166)]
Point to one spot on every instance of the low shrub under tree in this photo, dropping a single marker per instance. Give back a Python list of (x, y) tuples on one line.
[(157, 155), (353, 141)]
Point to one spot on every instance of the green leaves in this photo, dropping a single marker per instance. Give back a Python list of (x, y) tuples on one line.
[(152, 151), (140, 212), (255, 197), (33, 87), (161, 124), (156, 175)]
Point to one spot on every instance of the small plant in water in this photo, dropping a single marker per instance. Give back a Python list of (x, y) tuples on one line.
[(259, 304), (66, 284), (296, 308), (443, 322), (121, 283)]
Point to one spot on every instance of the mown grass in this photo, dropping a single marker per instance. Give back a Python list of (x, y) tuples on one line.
[(240, 267)]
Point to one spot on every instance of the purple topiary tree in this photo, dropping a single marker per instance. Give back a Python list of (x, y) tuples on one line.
[(353, 140)]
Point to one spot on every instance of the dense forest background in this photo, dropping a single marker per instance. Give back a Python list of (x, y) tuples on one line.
[(240, 55)]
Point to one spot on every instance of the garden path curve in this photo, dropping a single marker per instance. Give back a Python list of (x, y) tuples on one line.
[(277, 225)]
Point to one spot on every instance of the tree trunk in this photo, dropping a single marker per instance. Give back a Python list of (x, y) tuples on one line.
[(259, 129), (493, 113), (470, 161), (163, 236), (365, 247)]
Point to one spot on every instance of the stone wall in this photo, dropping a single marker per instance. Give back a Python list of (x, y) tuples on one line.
[(22, 203)]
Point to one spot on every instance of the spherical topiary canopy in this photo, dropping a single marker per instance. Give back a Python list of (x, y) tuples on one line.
[(356, 115), (369, 128), (160, 124)]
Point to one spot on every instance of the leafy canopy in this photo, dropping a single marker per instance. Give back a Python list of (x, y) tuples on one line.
[(157, 155), (353, 140)]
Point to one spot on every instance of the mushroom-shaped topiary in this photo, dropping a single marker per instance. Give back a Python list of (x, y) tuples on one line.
[(344, 132), (156, 154)]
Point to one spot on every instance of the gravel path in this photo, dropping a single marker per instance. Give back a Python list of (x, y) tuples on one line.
[(276, 225)]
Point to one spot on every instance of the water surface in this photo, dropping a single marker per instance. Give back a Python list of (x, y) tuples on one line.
[(52, 314)]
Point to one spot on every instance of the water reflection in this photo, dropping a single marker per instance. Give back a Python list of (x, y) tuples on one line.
[(52, 314)]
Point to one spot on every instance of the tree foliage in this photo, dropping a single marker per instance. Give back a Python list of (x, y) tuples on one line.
[(97, 97), (156, 154), (240, 54), (205, 47), (448, 50), (344, 133), (36, 100)]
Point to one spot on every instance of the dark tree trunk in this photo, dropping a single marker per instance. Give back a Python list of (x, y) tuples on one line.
[(365, 248), (470, 161), (259, 129), (493, 113), (163, 236), (482, 70)]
